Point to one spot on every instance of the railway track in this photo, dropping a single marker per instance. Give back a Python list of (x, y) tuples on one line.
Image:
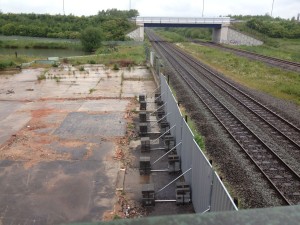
[(284, 180), (295, 66)]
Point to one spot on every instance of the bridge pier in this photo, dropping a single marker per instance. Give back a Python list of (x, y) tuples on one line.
[(220, 35), (137, 34)]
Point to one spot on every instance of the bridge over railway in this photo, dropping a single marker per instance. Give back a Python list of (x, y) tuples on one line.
[(219, 24)]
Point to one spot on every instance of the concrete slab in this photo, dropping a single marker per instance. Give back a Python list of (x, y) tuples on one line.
[(58, 141), (56, 192), (134, 88), (104, 105), (59, 166), (81, 124)]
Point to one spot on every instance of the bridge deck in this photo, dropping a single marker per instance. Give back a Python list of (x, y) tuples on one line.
[(188, 21)]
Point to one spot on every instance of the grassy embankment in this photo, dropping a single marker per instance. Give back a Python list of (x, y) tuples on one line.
[(253, 74), (288, 49), (282, 48)]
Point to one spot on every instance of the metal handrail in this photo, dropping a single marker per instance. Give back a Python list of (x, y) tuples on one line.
[(211, 20)]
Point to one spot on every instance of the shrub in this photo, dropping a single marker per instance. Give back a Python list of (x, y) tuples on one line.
[(91, 39), (116, 67)]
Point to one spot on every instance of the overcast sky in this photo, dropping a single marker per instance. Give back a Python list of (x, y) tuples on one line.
[(189, 8)]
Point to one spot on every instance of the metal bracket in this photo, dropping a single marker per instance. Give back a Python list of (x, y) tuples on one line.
[(166, 153), (172, 181), (164, 117), (158, 109), (163, 134), (207, 210)]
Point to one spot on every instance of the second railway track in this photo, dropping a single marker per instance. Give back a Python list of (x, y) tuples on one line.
[(281, 63), (284, 180)]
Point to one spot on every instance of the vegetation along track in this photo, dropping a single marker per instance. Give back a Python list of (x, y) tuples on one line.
[(284, 180), (289, 65)]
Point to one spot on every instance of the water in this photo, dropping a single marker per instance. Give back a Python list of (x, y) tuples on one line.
[(43, 52)]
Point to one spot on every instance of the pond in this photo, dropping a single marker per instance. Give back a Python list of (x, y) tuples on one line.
[(43, 52)]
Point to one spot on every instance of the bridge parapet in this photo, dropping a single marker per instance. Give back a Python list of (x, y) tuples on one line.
[(182, 20)]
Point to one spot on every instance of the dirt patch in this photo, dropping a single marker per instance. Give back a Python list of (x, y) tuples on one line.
[(30, 146)]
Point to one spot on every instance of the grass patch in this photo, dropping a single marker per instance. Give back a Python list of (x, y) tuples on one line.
[(170, 36), (256, 75), (124, 56), (37, 43), (288, 49), (10, 61)]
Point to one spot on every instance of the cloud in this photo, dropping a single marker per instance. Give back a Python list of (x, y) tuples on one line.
[(180, 8)]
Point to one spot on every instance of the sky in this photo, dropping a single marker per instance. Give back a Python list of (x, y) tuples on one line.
[(169, 8)]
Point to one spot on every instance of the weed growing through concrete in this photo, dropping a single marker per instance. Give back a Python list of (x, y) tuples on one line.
[(116, 67), (116, 217), (122, 79), (41, 77), (92, 90), (81, 68), (57, 79)]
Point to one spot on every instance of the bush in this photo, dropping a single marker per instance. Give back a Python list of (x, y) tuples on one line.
[(92, 61), (91, 39), (6, 64)]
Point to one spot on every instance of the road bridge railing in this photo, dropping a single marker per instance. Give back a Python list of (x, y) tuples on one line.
[(183, 20)]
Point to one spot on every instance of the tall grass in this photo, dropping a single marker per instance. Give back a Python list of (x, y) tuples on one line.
[(288, 49), (170, 36), (256, 75), (39, 44), (9, 61), (121, 56)]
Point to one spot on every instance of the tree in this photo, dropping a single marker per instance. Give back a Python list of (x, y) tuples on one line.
[(91, 39)]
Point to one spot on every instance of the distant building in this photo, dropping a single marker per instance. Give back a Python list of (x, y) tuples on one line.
[(298, 17)]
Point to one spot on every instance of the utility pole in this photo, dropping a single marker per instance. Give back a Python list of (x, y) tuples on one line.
[(64, 7), (203, 9), (129, 4), (272, 8)]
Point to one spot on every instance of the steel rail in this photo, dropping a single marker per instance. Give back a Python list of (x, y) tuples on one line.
[(273, 59), (181, 71), (190, 61)]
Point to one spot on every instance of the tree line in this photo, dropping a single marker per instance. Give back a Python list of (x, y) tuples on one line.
[(113, 23), (272, 27)]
